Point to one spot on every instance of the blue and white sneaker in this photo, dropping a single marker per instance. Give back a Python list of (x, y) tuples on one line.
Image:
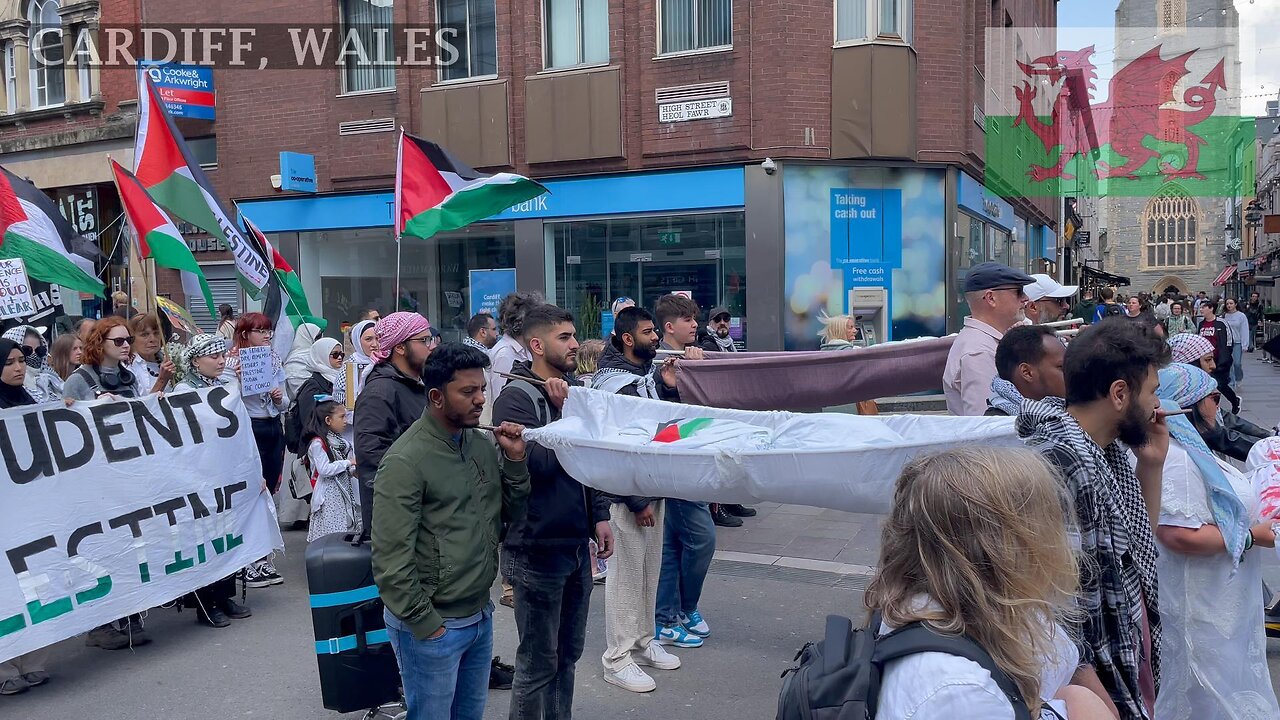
[(676, 635), (694, 623)]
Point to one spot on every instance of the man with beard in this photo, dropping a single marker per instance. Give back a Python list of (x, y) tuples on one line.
[(442, 496), (995, 297), (546, 552), (717, 337), (1110, 411), (631, 588), (482, 332), (1050, 299)]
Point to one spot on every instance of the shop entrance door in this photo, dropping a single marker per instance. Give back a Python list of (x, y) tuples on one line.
[(647, 277)]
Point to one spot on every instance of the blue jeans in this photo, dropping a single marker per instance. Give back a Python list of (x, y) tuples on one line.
[(446, 678), (1237, 363), (552, 592), (688, 542)]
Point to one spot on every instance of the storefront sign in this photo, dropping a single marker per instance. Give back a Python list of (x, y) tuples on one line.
[(606, 323), (297, 172), (15, 289), (866, 227), (695, 110), (982, 202), (185, 90), (206, 244), (488, 287)]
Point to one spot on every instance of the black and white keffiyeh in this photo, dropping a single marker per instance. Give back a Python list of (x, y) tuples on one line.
[(1118, 563)]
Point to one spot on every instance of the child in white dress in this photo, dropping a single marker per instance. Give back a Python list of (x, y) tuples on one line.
[(334, 503)]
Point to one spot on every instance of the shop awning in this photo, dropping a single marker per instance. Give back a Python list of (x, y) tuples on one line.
[(1226, 275), (1104, 278)]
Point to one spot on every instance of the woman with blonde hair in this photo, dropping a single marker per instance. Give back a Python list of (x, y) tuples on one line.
[(839, 332), (976, 546)]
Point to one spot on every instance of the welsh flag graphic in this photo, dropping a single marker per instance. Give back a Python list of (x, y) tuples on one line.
[(286, 303), (681, 429), (1150, 109), (436, 192), (32, 229), (166, 169), (158, 238)]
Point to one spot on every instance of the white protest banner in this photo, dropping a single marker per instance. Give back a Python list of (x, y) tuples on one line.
[(15, 290), (634, 446), (257, 372), (108, 508)]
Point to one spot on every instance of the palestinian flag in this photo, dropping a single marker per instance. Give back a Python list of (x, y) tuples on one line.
[(158, 238), (436, 192), (680, 429), (286, 303), (32, 229), (166, 169)]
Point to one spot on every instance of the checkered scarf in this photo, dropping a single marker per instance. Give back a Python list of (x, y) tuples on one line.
[(1188, 348), (200, 346), (1118, 563)]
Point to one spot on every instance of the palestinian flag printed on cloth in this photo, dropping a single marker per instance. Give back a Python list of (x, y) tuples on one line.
[(165, 167), (286, 303), (157, 236), (32, 230), (436, 192), (680, 429)]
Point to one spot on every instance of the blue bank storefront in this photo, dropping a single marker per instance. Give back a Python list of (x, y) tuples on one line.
[(585, 242)]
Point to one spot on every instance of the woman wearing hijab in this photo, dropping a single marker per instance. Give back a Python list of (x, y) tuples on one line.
[(295, 364), (1214, 656), (364, 343), (324, 362), (1231, 435), (34, 382), (25, 671), (199, 366)]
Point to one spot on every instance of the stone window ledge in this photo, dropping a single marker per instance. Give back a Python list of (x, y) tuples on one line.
[(68, 111)]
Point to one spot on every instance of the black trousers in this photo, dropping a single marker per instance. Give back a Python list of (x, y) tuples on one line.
[(212, 594), (269, 435), (1224, 386), (552, 592)]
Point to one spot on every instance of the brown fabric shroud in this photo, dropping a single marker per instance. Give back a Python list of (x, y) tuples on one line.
[(813, 380)]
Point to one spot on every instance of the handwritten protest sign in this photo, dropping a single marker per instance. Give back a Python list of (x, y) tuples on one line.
[(257, 374), (111, 507), (15, 289)]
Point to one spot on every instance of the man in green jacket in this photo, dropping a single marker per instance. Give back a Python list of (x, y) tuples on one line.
[(441, 497)]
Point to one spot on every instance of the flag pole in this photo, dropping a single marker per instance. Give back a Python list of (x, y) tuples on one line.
[(395, 211)]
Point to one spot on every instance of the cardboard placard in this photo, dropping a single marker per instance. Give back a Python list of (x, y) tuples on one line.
[(257, 372), (15, 289)]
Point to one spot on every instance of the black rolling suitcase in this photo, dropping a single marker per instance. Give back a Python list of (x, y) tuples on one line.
[(357, 666)]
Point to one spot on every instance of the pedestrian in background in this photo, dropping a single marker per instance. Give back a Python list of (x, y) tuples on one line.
[(589, 353), (1238, 323), (717, 337), (482, 332), (1216, 332), (510, 348), (1179, 320), (839, 332), (226, 321), (1086, 308)]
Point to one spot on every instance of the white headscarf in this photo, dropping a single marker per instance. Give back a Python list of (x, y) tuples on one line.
[(296, 365), (358, 355), (318, 360)]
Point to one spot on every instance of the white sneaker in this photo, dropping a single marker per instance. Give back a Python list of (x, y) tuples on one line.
[(657, 656), (631, 678)]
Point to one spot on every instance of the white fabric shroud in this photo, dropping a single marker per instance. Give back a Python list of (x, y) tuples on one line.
[(828, 460)]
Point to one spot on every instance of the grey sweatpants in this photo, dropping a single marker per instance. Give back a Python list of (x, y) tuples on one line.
[(631, 588)]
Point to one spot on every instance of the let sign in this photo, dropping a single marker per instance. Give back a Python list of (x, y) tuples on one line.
[(15, 290)]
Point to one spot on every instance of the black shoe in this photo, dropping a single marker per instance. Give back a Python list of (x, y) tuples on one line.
[(234, 610), (213, 618), (722, 518), (501, 675), (739, 510)]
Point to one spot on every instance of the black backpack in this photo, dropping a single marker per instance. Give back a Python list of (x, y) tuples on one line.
[(839, 677), (293, 430)]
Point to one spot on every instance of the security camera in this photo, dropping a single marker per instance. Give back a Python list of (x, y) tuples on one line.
[(769, 166), (276, 182)]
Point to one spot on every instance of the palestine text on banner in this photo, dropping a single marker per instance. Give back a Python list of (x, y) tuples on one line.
[(165, 168), (34, 231), (112, 507), (1082, 121), (633, 446), (158, 238), (437, 192)]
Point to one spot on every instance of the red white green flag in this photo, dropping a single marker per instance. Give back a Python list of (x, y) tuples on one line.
[(32, 229), (166, 169), (158, 238), (436, 192), (286, 303)]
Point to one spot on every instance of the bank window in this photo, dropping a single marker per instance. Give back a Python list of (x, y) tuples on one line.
[(865, 20), (577, 32), (471, 27), (44, 38), (1169, 231), (368, 50), (688, 25), (10, 78)]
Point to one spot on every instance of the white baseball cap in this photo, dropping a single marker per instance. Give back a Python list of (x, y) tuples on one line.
[(1046, 287)]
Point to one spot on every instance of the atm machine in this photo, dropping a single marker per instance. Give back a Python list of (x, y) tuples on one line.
[(870, 307)]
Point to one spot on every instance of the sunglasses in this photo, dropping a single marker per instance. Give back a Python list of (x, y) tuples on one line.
[(121, 342), (720, 319), (337, 355)]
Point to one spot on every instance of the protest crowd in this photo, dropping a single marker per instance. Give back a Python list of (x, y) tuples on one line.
[(1110, 568)]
